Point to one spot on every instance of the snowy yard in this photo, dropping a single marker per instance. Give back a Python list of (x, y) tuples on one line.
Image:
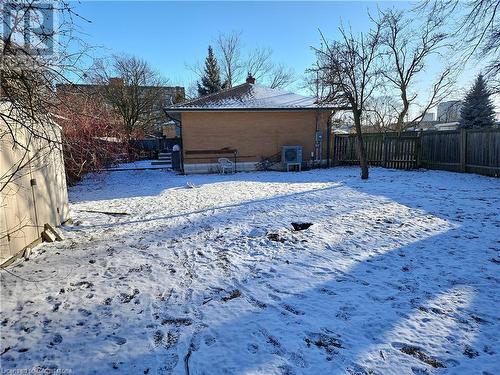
[(397, 275)]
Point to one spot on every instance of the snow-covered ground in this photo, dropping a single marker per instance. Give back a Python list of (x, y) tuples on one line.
[(397, 275)]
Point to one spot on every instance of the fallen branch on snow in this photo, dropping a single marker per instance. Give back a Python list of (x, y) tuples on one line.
[(106, 212)]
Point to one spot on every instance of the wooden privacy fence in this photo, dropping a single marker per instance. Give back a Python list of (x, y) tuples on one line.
[(387, 150), (154, 144), (474, 150)]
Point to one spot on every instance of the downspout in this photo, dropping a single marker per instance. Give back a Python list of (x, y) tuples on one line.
[(181, 155), (317, 146)]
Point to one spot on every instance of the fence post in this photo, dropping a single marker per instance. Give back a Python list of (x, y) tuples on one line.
[(332, 148), (463, 150), (418, 149), (384, 151)]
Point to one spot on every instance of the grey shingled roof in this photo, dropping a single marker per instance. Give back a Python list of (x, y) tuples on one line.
[(248, 96)]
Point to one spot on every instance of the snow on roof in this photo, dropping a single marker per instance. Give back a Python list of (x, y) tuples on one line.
[(249, 96)]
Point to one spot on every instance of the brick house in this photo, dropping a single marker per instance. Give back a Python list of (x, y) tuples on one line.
[(250, 123)]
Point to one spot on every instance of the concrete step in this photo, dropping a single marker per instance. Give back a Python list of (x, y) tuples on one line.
[(164, 158)]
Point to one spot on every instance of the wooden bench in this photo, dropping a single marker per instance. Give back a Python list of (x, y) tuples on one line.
[(199, 154), (221, 151)]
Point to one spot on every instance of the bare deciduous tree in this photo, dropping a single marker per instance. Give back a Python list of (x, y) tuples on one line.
[(280, 76), (408, 47), (381, 113), (236, 64), (348, 69), (134, 90), (35, 57), (259, 62), (261, 66), (476, 29), (229, 51)]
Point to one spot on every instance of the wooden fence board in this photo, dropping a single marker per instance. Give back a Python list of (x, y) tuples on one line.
[(474, 150)]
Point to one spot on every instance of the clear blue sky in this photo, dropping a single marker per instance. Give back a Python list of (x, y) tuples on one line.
[(172, 35)]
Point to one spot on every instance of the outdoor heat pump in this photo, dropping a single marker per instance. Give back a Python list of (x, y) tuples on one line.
[(291, 155)]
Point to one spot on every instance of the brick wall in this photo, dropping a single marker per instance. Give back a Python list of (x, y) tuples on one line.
[(255, 135)]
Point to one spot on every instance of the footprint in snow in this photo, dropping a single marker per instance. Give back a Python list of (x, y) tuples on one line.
[(286, 370), (84, 312), (253, 348), (56, 340), (255, 302), (209, 340), (292, 309), (118, 340), (170, 361), (298, 360), (274, 297), (419, 371), (168, 341), (157, 338)]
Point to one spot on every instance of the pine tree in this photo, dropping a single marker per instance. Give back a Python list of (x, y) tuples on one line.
[(210, 82), (477, 110)]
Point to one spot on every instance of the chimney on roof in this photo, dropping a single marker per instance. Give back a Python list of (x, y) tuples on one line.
[(115, 81), (250, 79)]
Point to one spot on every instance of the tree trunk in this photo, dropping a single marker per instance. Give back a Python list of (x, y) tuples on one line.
[(400, 124), (363, 162)]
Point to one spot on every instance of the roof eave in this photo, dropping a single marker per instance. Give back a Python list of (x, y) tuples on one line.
[(266, 109)]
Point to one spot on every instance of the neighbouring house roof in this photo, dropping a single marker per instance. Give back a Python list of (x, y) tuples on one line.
[(447, 125), (249, 96), (343, 129)]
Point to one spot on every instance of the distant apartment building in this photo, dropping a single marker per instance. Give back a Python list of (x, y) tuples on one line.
[(449, 111), (169, 94), (429, 116)]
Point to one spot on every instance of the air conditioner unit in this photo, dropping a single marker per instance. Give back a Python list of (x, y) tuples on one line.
[(291, 155)]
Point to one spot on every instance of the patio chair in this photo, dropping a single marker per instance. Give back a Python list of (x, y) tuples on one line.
[(226, 165)]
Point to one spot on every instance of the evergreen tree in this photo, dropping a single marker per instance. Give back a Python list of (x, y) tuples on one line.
[(477, 110), (211, 81)]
